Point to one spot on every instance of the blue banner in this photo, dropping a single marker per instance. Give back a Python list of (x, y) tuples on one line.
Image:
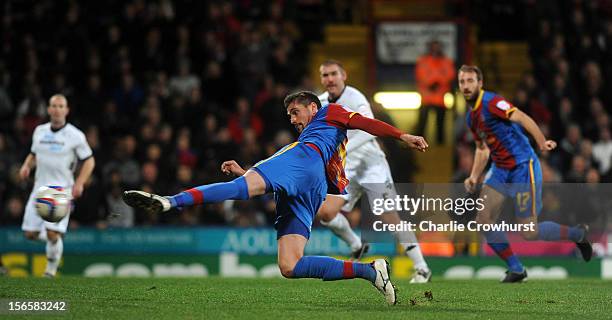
[(246, 241)]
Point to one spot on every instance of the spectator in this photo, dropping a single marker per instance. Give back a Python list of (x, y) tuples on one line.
[(124, 96), (244, 119), (129, 96), (12, 212), (184, 82), (570, 145), (434, 75), (602, 151), (578, 170)]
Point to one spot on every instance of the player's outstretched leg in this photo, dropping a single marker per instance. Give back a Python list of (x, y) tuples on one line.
[(552, 231), (251, 184), (293, 264), (328, 269)]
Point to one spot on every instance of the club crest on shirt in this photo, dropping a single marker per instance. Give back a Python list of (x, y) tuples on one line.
[(503, 105)]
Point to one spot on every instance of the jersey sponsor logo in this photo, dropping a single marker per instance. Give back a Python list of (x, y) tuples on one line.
[(503, 105), (52, 142)]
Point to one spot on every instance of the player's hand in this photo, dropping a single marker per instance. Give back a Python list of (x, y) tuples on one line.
[(77, 190), (415, 142), (231, 166), (548, 145), (24, 173), (470, 184)]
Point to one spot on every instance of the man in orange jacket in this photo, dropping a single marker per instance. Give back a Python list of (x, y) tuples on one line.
[(434, 76)]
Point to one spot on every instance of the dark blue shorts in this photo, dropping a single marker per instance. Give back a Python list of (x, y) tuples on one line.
[(296, 174), (523, 184), (290, 224)]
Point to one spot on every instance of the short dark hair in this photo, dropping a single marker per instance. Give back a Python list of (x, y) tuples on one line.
[(303, 98), (475, 69), (331, 62)]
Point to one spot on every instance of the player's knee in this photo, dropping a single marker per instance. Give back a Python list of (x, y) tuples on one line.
[(287, 264), (52, 236), (326, 215), (31, 235)]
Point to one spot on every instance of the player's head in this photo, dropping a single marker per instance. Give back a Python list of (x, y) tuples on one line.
[(435, 48), (301, 107), (58, 109), (470, 81), (333, 77)]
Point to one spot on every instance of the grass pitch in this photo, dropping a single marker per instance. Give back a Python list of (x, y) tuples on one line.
[(214, 298)]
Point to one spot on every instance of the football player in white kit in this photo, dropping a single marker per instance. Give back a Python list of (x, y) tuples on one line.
[(367, 169), (57, 146)]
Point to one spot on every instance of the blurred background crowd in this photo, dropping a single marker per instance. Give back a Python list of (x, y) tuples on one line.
[(166, 90)]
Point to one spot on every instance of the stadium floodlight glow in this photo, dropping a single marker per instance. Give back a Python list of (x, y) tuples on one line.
[(398, 100), (449, 100)]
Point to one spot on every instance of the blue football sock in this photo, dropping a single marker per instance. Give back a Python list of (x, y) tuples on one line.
[(552, 231), (574, 234), (498, 241), (328, 269), (216, 192)]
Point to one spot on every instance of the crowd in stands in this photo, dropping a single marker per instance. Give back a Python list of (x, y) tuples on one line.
[(164, 91)]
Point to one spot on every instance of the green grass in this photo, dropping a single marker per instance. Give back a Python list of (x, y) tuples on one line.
[(213, 298)]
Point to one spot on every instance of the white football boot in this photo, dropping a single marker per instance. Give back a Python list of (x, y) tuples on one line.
[(146, 201), (383, 280), (421, 276)]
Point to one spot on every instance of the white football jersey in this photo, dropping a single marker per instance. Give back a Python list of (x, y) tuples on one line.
[(353, 100), (57, 153)]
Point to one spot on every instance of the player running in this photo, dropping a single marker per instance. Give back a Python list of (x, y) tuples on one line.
[(300, 174), (367, 171), (515, 172), (56, 147)]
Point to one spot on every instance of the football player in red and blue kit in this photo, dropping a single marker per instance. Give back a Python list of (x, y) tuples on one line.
[(497, 127), (300, 175)]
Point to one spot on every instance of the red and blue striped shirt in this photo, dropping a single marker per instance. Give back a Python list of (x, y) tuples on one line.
[(489, 122)]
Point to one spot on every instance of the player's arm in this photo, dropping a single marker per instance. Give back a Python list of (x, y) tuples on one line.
[(28, 164), (527, 122), (383, 130), (360, 137), (84, 174), (481, 158)]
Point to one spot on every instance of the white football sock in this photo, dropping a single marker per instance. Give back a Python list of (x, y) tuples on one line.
[(342, 228), (42, 236), (410, 245), (54, 255), (415, 254)]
